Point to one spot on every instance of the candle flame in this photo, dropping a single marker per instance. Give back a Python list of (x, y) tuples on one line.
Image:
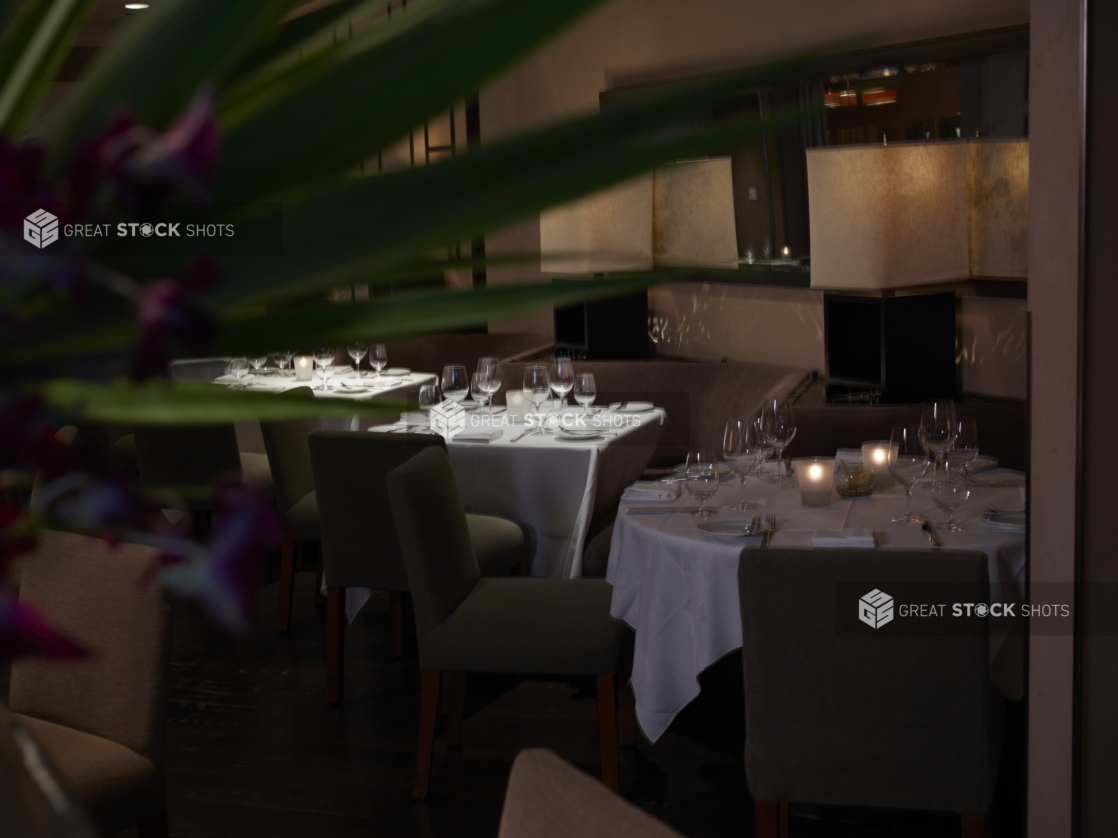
[(879, 456), (815, 472)]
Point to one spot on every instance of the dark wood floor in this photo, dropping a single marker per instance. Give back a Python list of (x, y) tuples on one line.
[(254, 750)]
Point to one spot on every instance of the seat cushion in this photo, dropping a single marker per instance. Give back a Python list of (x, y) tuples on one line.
[(257, 472), (118, 787), (303, 518), (499, 543), (531, 626)]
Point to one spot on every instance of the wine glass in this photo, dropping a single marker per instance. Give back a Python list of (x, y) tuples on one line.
[(258, 361), (324, 357), (950, 490), (749, 256), (585, 390), (537, 386), (456, 384), (477, 390), (767, 249), (562, 377), (938, 427), (428, 398), (357, 350), (489, 369), (965, 449), (702, 478), (282, 360), (743, 449), (908, 460), (378, 358), (778, 425), (237, 367)]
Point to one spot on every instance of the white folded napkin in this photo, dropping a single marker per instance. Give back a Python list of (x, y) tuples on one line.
[(483, 437), (842, 538), (415, 417), (651, 491)]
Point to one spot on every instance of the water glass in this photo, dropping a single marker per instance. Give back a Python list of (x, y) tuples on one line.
[(778, 426), (324, 357), (428, 398), (562, 377), (965, 449), (378, 358), (950, 490), (538, 387), (939, 427), (480, 394), (456, 384), (743, 448), (585, 391), (357, 350), (489, 369), (702, 478), (908, 460)]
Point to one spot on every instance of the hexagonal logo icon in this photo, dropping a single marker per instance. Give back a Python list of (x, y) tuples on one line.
[(448, 418), (875, 609), (40, 228)]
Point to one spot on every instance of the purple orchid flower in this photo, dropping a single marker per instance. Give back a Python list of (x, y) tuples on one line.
[(165, 314), (223, 577), (25, 631)]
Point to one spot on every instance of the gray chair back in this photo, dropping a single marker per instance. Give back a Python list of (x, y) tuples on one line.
[(434, 538), (102, 597), (359, 542), (289, 454), (186, 455), (841, 713)]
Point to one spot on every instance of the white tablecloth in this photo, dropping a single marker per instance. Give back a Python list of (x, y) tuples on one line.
[(678, 588)]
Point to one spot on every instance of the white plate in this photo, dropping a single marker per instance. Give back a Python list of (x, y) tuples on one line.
[(723, 468), (1005, 520), (730, 528), (353, 388), (581, 433), (396, 371), (983, 462), (632, 407)]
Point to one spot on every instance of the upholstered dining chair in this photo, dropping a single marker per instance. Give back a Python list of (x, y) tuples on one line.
[(101, 720), (359, 543), (548, 797), (838, 712), (289, 458), (520, 625), (188, 459)]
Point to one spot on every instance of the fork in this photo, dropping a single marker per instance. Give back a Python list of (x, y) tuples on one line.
[(771, 521)]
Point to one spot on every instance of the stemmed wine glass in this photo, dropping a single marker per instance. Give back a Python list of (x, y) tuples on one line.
[(258, 361), (939, 427), (456, 384), (702, 478), (378, 358), (538, 387), (562, 378), (965, 449), (428, 398), (324, 357), (489, 371), (585, 390), (238, 367), (743, 448), (778, 425), (282, 360), (477, 390), (357, 350), (950, 490), (908, 460)]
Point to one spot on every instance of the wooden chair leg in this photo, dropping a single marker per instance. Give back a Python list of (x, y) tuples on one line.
[(286, 584), (155, 827), (607, 731), (428, 712), (772, 819), (396, 614), (455, 683), (335, 642), (973, 826), (626, 715)]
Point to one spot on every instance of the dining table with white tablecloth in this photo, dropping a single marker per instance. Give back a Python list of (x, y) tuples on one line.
[(677, 587)]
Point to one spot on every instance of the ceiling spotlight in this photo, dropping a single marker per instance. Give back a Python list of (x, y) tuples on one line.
[(135, 6)]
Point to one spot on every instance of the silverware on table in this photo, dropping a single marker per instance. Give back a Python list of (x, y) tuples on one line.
[(771, 520), (930, 529), (663, 510), (755, 524), (516, 438)]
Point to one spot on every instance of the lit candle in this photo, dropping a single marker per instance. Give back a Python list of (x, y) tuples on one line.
[(875, 457), (787, 253), (816, 476), (304, 368), (519, 405)]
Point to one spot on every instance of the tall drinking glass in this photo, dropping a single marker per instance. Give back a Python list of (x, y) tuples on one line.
[(939, 427), (537, 386), (490, 371), (357, 350), (562, 378), (908, 460), (743, 448), (702, 478), (585, 390), (456, 384), (778, 424), (950, 490)]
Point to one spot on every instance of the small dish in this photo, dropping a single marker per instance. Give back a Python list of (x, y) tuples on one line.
[(1006, 520), (578, 433), (983, 462), (731, 528), (396, 371), (632, 407)]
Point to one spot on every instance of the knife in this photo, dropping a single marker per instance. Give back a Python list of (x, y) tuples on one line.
[(663, 510), (930, 529)]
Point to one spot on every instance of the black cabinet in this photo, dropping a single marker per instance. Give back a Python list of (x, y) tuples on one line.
[(614, 329), (902, 346)]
